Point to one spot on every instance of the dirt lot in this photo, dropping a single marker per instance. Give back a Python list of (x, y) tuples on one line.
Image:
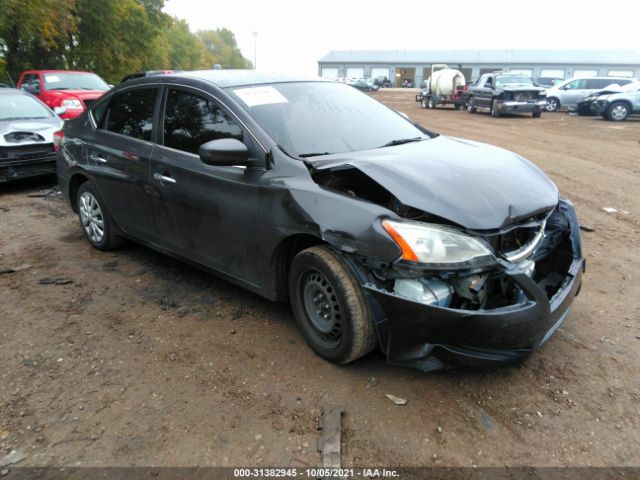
[(141, 360)]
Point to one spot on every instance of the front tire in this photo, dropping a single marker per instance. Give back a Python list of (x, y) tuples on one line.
[(553, 104), (494, 110), (424, 103), (618, 111), (97, 225), (329, 306), (471, 105), (431, 103)]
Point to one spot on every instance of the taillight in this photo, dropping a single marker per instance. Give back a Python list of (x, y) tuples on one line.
[(58, 138)]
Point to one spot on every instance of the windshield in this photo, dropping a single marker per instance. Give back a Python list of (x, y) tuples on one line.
[(513, 80), (74, 81), (22, 107), (314, 118)]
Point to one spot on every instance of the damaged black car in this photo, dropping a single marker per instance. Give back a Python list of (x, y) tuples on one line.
[(379, 232)]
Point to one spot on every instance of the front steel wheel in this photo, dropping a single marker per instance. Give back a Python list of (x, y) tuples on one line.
[(329, 306)]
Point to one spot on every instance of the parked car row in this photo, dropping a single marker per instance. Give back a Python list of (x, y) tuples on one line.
[(614, 98)]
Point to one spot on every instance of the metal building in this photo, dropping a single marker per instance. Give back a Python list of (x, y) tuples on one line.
[(415, 65)]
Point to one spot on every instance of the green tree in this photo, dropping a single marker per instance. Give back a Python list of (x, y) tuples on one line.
[(221, 48)]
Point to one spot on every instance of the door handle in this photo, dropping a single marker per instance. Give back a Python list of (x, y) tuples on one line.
[(164, 178), (97, 158)]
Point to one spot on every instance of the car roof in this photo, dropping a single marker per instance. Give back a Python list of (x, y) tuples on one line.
[(55, 71), (237, 78)]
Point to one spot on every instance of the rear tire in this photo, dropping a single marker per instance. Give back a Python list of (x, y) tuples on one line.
[(424, 103), (329, 306), (96, 222), (471, 105), (431, 103)]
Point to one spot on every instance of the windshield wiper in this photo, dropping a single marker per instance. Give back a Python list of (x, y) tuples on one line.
[(401, 141), (307, 155)]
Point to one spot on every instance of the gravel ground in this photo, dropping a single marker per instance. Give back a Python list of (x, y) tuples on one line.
[(132, 358)]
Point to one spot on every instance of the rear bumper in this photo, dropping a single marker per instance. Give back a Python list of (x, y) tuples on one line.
[(522, 107), (429, 337), (16, 169)]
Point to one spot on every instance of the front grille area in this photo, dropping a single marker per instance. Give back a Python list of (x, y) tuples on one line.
[(26, 152), (518, 236)]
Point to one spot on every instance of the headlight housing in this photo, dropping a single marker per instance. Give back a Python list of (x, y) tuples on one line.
[(72, 104), (437, 246)]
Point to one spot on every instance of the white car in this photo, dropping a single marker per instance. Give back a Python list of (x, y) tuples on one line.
[(27, 128), (571, 91)]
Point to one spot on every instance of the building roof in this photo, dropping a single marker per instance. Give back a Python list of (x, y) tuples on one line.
[(607, 57)]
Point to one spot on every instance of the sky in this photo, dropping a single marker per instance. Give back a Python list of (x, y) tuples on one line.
[(293, 35)]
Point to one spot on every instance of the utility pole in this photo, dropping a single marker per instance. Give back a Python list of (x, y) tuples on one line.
[(255, 50)]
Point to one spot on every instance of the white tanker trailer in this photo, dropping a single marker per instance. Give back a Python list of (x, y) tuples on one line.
[(444, 86)]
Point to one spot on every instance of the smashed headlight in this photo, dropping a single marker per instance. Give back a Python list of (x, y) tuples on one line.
[(437, 246)]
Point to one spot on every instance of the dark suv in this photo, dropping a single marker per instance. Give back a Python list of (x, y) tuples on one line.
[(506, 93), (376, 230)]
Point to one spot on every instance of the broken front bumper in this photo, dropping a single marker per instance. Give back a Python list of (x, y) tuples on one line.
[(428, 337), (11, 169), (523, 107)]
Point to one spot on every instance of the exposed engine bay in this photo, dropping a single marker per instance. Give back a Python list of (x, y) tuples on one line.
[(538, 246)]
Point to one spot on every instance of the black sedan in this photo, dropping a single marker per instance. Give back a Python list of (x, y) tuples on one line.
[(365, 86), (376, 230)]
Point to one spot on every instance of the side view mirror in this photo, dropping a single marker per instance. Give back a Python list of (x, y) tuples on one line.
[(224, 152), (59, 110)]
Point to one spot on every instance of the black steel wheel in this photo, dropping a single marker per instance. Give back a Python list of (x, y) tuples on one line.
[(329, 306)]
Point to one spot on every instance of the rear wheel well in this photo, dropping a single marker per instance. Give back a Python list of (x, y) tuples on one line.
[(74, 184), (284, 255)]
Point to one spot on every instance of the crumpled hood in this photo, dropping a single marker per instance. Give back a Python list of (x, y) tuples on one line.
[(44, 127), (475, 185)]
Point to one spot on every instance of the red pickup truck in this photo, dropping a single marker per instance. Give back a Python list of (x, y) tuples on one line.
[(73, 91)]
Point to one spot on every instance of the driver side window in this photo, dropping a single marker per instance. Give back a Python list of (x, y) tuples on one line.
[(191, 120)]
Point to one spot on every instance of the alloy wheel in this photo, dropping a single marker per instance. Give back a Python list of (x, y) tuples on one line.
[(619, 112), (91, 217)]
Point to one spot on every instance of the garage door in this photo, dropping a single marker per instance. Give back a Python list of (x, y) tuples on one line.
[(621, 73), (520, 71), (379, 72), (355, 72), (329, 72), (585, 73), (552, 73)]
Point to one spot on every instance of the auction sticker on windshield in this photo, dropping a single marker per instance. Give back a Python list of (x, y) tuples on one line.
[(51, 78), (255, 96)]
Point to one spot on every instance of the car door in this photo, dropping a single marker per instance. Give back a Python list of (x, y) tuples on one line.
[(118, 152), (574, 92), (485, 92), (203, 212)]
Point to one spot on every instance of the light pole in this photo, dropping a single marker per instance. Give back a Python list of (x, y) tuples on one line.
[(255, 50)]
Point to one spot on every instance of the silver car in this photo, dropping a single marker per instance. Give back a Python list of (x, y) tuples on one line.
[(570, 92), (27, 128), (618, 106)]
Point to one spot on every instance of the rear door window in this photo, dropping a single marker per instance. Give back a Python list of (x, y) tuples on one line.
[(131, 113), (191, 120)]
